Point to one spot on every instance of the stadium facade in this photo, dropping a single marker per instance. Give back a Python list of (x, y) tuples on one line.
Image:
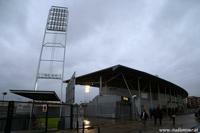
[(124, 92)]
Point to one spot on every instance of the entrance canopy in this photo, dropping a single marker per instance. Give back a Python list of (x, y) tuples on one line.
[(37, 95), (114, 77)]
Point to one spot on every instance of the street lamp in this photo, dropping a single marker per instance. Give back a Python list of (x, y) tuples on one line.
[(4, 93)]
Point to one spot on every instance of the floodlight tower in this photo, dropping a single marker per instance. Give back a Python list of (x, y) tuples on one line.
[(52, 54)]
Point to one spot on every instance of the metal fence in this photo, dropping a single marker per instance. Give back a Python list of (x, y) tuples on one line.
[(38, 116)]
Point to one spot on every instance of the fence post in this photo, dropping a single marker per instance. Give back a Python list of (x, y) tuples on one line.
[(46, 119), (31, 124), (9, 117), (77, 116), (71, 117), (77, 126)]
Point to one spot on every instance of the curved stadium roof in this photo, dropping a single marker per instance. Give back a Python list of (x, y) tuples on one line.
[(113, 77)]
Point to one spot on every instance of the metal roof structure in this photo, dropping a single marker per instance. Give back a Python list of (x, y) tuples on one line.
[(113, 77), (37, 95)]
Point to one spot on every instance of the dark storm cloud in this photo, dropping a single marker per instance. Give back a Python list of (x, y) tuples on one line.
[(157, 37), (13, 15), (177, 30), (13, 46), (109, 30), (13, 24)]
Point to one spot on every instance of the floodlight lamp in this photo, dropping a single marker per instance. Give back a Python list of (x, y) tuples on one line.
[(87, 89), (57, 20)]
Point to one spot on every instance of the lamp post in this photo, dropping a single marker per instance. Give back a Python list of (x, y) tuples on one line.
[(133, 106), (4, 94)]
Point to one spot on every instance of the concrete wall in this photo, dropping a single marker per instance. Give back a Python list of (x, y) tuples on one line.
[(107, 104), (103, 106), (161, 99)]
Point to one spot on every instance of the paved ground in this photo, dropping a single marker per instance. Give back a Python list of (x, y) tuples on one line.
[(113, 126), (119, 126)]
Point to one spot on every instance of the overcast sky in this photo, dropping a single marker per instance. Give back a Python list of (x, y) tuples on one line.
[(159, 37)]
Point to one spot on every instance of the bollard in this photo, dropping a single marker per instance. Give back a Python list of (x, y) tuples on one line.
[(83, 127), (173, 119), (98, 129), (77, 127)]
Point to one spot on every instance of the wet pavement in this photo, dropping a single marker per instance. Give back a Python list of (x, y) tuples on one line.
[(121, 126), (125, 126)]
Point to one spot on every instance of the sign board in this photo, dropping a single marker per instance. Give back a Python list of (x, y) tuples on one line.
[(44, 108), (125, 99), (144, 95)]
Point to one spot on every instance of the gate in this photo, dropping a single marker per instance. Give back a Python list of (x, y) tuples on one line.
[(123, 110)]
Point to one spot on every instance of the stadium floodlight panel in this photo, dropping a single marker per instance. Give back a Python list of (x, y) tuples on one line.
[(57, 20)]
